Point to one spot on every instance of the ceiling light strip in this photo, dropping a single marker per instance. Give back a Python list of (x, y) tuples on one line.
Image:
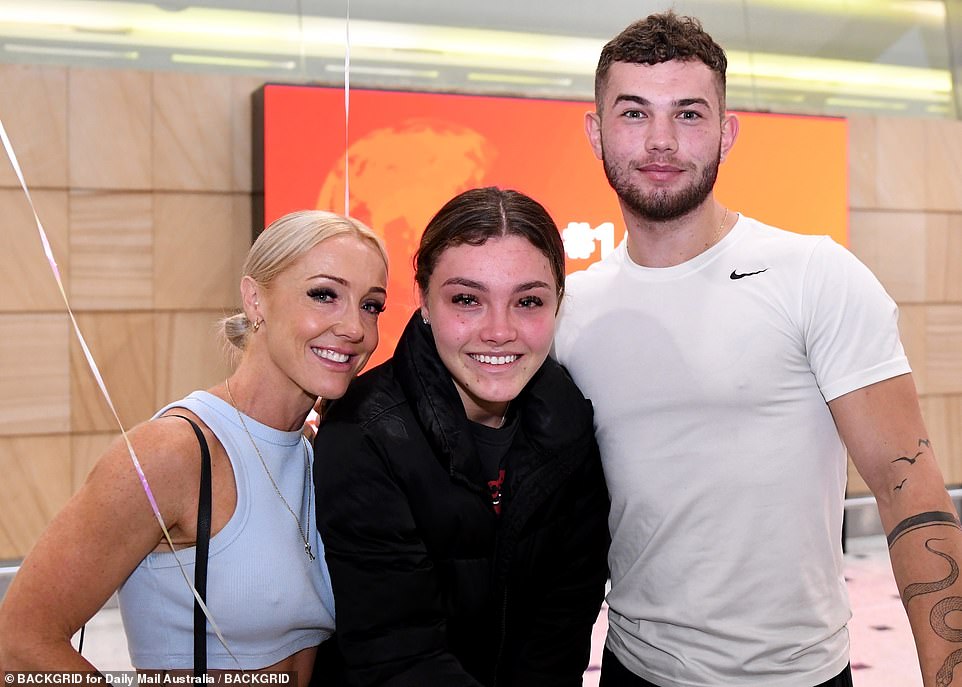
[(71, 52)]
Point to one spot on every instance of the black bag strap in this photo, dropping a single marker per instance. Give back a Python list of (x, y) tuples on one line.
[(203, 547)]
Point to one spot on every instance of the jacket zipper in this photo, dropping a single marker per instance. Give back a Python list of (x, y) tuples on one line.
[(504, 623)]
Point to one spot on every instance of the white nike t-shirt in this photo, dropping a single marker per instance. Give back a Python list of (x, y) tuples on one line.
[(709, 381)]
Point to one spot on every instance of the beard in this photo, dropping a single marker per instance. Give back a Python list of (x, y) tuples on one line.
[(662, 205)]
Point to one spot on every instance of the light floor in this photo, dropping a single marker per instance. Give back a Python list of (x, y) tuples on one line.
[(883, 653)]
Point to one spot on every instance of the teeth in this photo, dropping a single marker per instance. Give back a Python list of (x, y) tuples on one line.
[(495, 359), (331, 355)]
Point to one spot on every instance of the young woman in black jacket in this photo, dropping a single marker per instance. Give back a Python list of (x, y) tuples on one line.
[(460, 494)]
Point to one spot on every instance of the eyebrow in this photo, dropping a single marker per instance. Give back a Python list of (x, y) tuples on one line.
[(527, 286), (683, 102), (478, 286), (339, 280), (461, 281), (344, 282)]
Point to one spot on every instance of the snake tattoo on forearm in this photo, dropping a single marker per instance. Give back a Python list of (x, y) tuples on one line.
[(950, 604), (940, 611)]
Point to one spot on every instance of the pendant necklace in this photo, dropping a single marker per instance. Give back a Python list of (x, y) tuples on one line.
[(307, 474)]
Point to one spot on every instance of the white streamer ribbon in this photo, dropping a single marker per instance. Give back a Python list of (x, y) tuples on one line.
[(48, 252), (347, 108)]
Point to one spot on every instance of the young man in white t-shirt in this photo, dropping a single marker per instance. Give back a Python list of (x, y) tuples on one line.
[(730, 365)]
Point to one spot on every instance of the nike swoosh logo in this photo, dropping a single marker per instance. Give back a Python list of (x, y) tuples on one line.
[(736, 275)]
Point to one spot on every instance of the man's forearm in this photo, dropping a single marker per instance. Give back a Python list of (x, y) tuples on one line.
[(926, 549)]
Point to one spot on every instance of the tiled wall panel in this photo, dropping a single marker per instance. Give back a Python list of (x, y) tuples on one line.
[(110, 117), (912, 328), (900, 159), (893, 245), (195, 241), (191, 144), (34, 374), (190, 353), (27, 282), (36, 483), (122, 344), (943, 349), (942, 165), (943, 418), (111, 250), (242, 89), (862, 163), (34, 114), (944, 258)]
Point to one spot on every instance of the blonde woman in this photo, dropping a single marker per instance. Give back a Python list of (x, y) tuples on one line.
[(312, 289)]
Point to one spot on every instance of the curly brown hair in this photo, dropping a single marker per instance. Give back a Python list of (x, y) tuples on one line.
[(662, 38)]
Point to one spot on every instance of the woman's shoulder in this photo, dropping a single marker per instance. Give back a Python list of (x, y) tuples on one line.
[(553, 381), (165, 449), (374, 424), (374, 396), (157, 461), (555, 406)]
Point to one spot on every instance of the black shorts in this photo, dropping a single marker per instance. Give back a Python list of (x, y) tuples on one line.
[(613, 674)]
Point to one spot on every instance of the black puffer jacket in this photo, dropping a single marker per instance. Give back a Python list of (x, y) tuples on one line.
[(431, 587)]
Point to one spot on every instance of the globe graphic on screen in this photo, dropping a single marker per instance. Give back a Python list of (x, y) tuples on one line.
[(399, 176)]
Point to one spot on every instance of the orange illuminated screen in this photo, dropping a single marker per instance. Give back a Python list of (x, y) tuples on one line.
[(408, 153)]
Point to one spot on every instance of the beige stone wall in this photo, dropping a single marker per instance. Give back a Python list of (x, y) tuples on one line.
[(905, 199), (142, 181)]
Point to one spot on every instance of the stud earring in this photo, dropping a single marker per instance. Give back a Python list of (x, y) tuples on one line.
[(425, 320), (256, 325)]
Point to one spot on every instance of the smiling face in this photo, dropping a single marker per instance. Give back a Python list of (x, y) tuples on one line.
[(661, 133), (319, 316), (492, 311)]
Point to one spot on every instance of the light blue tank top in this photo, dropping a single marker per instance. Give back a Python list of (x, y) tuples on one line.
[(269, 600)]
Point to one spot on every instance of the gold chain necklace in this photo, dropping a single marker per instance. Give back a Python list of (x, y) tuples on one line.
[(717, 236), (307, 476)]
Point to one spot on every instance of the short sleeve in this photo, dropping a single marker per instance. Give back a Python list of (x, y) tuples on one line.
[(850, 323)]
